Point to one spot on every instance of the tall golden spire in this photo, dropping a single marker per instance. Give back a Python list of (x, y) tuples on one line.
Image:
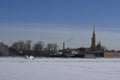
[(94, 26), (93, 40)]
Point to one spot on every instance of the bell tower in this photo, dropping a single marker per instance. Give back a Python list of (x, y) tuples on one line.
[(93, 39)]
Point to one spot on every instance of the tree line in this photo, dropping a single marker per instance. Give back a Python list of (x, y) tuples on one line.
[(22, 48)]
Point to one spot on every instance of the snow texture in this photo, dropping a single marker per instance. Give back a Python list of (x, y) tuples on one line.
[(59, 69)]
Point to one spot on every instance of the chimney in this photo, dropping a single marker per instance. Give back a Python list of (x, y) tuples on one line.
[(63, 45)]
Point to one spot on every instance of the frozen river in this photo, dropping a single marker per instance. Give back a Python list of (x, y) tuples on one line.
[(59, 69)]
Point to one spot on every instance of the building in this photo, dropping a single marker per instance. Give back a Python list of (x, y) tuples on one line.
[(93, 39), (95, 50)]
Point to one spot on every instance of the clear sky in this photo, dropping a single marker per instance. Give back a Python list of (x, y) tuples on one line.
[(56, 21)]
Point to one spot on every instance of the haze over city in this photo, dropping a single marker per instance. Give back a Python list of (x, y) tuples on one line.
[(56, 21)]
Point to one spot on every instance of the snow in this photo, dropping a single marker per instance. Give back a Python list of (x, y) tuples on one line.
[(59, 69)]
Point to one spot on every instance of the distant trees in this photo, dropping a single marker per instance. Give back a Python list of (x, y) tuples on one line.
[(52, 47), (18, 46), (38, 47), (22, 48), (22, 45), (27, 45), (4, 49)]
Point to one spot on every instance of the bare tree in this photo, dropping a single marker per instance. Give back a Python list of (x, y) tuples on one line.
[(4, 49), (55, 47), (19, 46), (27, 45), (52, 47), (49, 47), (38, 47), (23, 47), (15, 45)]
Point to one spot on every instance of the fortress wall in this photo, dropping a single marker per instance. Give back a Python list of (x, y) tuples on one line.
[(112, 55)]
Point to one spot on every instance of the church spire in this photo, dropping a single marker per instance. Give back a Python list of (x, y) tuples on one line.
[(94, 27), (93, 40)]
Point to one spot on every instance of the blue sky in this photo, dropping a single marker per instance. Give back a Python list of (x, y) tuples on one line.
[(55, 21)]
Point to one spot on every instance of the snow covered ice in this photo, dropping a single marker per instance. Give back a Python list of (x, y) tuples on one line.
[(59, 69)]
